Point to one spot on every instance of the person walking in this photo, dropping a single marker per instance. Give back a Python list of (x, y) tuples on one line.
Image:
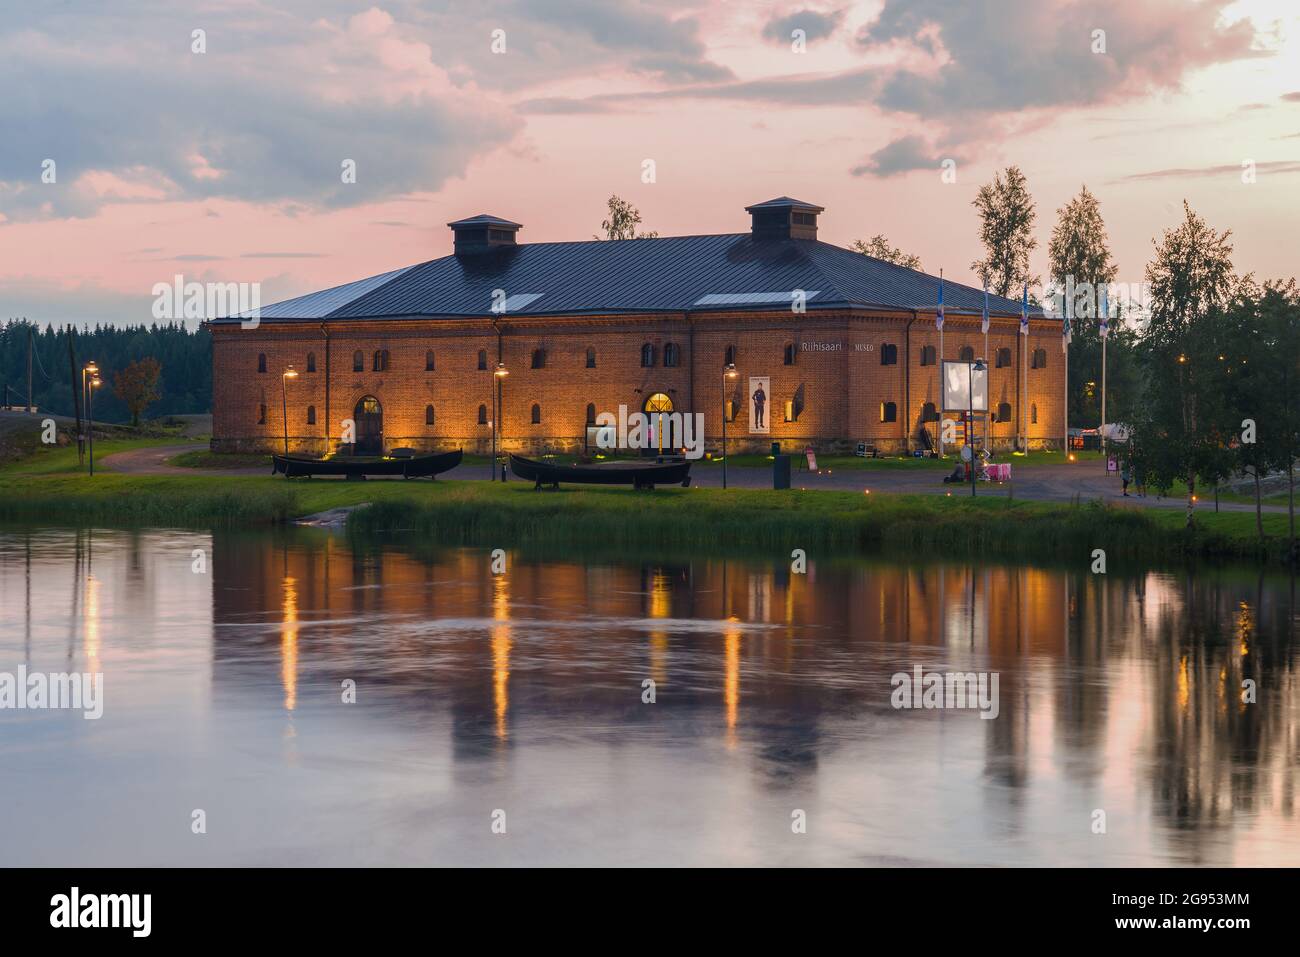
[(1125, 475)]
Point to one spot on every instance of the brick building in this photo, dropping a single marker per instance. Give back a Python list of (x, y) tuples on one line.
[(842, 347)]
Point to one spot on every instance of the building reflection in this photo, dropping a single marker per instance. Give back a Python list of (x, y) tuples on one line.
[(1110, 682)]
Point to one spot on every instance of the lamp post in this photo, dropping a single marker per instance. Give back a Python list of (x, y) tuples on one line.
[(95, 382), (499, 375), (288, 373), (729, 372), (976, 366), (88, 372)]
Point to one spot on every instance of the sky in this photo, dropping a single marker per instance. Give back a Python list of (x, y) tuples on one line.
[(134, 148)]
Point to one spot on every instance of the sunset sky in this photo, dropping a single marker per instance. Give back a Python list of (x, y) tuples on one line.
[(226, 165)]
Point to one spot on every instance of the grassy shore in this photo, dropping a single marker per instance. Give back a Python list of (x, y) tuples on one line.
[(48, 489)]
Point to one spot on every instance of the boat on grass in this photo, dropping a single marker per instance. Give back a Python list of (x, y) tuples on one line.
[(359, 466), (639, 475)]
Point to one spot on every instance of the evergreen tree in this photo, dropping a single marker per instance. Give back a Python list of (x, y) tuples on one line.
[(185, 355)]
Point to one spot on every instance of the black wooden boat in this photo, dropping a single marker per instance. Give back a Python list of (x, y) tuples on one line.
[(359, 466), (637, 474)]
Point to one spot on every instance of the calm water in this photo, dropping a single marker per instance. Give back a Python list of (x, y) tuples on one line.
[(523, 692)]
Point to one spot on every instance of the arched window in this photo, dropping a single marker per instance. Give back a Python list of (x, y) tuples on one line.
[(888, 412), (591, 357), (539, 358), (888, 354), (730, 360), (482, 358), (672, 354), (537, 414), (790, 351), (1033, 414), (482, 415), (1004, 358), (966, 354), (358, 361), (429, 365), (381, 360), (1004, 412), (591, 413), (1040, 359), (261, 414), (311, 362), (927, 355), (311, 415), (929, 413), (261, 362), (428, 415), (647, 356)]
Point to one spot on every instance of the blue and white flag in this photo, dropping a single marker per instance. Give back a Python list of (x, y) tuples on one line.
[(984, 324), (1065, 332), (1024, 312), (938, 316), (1104, 313)]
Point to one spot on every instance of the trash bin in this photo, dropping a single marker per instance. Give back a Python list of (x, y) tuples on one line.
[(781, 471), (776, 448)]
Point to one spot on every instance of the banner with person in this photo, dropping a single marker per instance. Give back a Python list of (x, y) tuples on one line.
[(760, 404)]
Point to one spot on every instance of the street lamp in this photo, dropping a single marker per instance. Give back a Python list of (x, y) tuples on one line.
[(95, 383), (88, 372), (729, 372), (288, 373), (499, 374), (976, 366)]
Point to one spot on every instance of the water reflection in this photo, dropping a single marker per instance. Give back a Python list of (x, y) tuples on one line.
[(524, 691)]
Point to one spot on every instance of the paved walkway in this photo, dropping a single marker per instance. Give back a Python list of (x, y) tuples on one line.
[(153, 461), (1088, 481)]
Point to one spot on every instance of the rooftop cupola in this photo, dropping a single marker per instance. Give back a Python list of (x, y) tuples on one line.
[(784, 218), (482, 233)]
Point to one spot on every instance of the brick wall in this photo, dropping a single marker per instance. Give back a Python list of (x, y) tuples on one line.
[(836, 381)]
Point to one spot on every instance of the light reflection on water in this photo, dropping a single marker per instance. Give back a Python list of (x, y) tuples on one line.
[(523, 692)]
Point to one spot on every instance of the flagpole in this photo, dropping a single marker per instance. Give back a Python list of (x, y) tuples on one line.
[(988, 359), (939, 364), (1024, 374), (1105, 330), (1065, 351)]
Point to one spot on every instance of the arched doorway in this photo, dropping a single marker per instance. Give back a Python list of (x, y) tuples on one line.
[(369, 419), (656, 408)]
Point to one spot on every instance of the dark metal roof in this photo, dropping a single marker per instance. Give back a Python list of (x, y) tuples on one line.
[(785, 202), (483, 219), (670, 274)]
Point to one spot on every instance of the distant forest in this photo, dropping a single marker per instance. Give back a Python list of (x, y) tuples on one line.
[(185, 385)]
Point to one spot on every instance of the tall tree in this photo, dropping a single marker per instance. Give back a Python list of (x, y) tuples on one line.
[(1079, 266), (1184, 423), (1006, 229), (137, 385), (878, 248), (623, 221)]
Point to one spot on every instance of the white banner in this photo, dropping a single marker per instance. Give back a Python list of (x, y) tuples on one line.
[(957, 383)]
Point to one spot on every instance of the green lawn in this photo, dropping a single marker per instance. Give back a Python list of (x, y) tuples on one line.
[(486, 513), (203, 459)]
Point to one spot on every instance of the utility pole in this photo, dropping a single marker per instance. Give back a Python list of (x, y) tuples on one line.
[(29, 368), (76, 398)]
